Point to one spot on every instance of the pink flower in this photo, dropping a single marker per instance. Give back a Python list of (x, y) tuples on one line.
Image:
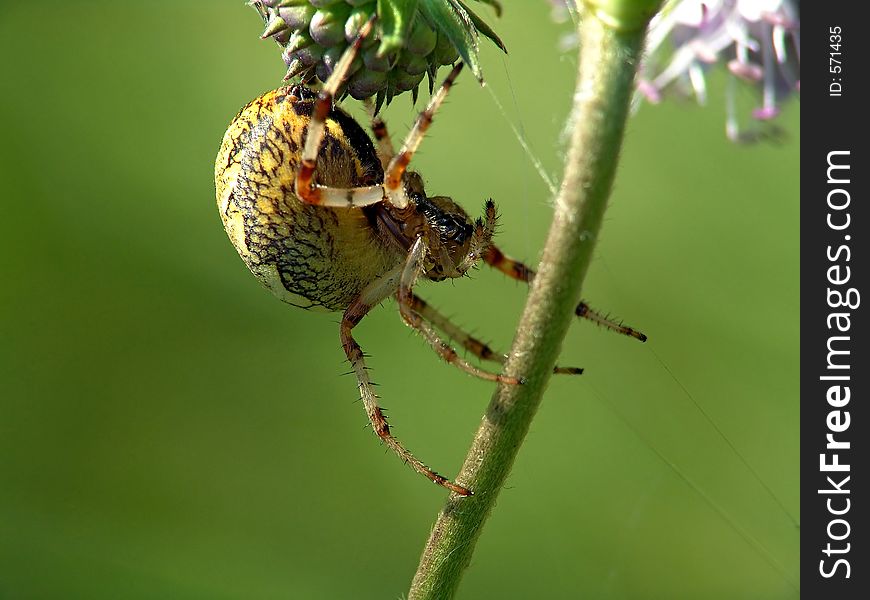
[(757, 40)]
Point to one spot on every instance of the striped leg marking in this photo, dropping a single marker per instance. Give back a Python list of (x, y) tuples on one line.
[(480, 349), (370, 297), (306, 189), (517, 270), (383, 142), (413, 268), (399, 164)]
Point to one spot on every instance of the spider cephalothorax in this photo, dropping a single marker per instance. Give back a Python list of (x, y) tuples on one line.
[(454, 243), (326, 219)]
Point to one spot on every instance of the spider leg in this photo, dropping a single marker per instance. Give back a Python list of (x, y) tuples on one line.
[(517, 270), (386, 152), (306, 190), (399, 164), (481, 238), (392, 190), (354, 313), (466, 340), (413, 268)]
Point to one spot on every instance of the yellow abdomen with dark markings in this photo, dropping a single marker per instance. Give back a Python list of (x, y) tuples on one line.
[(309, 256)]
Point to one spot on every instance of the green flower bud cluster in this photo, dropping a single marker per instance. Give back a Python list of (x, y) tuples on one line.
[(410, 41)]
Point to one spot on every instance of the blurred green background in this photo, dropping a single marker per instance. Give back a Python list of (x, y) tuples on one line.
[(170, 430)]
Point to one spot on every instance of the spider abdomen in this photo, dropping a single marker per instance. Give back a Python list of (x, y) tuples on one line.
[(307, 255)]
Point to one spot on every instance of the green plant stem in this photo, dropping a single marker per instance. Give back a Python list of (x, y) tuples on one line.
[(606, 68)]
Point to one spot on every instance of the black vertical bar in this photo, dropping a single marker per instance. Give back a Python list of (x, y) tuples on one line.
[(835, 562)]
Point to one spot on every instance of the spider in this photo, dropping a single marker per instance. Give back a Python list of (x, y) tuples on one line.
[(325, 220)]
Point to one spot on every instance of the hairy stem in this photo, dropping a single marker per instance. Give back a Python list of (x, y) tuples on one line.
[(606, 67)]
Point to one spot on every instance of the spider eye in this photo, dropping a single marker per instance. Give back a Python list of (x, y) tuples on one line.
[(450, 227), (449, 222), (462, 233)]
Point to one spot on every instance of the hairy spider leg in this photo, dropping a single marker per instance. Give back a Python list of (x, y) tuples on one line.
[(399, 164), (517, 270), (411, 271), (384, 143), (392, 190), (371, 296), (481, 238), (306, 190), (480, 349)]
